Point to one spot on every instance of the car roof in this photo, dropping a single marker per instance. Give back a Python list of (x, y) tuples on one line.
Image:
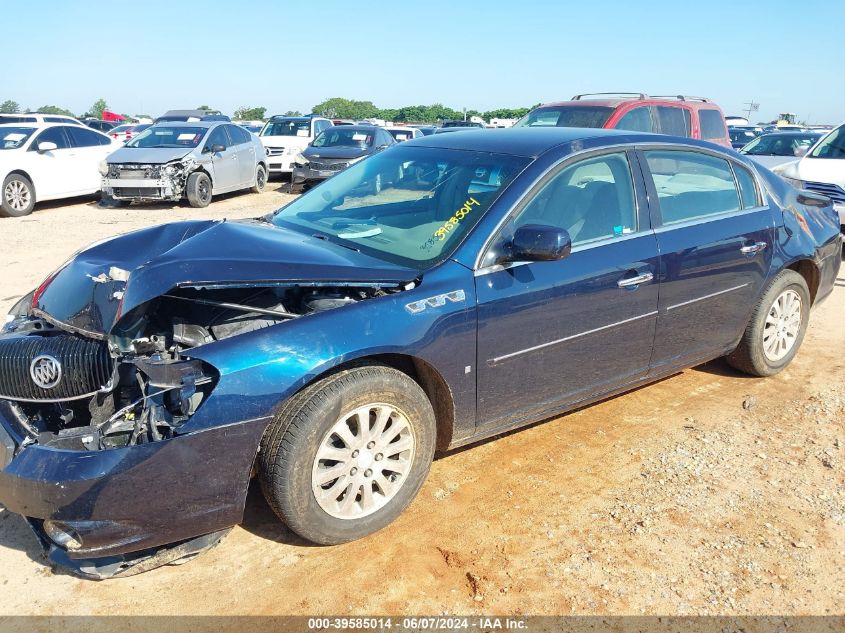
[(39, 125), (189, 123), (358, 128), (518, 141)]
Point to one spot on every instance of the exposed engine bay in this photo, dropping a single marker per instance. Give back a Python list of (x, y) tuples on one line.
[(140, 385)]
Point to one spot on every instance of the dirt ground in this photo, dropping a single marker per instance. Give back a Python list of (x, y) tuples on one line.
[(706, 493)]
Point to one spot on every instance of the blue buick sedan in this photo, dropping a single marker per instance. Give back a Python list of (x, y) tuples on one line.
[(443, 291)]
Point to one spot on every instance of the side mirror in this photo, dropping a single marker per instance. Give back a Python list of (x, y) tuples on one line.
[(538, 242), (801, 150), (216, 149), (46, 146)]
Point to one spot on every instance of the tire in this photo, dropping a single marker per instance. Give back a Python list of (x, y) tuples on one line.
[(260, 179), (107, 202), (17, 197), (294, 448), (764, 351), (198, 189)]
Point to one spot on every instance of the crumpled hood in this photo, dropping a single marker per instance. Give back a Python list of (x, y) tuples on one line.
[(85, 297), (148, 155), (335, 152)]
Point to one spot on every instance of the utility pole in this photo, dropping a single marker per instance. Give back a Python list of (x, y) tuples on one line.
[(752, 107)]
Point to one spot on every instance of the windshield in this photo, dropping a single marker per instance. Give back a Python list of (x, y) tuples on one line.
[(832, 145), (741, 135), (780, 145), (13, 137), (344, 137), (566, 116), (166, 136), (408, 205), (287, 127)]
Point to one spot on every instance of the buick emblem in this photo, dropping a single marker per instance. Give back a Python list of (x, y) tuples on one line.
[(46, 371)]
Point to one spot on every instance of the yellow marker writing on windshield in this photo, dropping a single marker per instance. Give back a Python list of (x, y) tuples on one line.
[(452, 222)]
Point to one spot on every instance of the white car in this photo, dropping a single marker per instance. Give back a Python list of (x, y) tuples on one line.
[(46, 161), (284, 137), (403, 133), (822, 169)]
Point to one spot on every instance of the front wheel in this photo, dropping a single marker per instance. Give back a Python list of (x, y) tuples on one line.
[(346, 456), (18, 196), (198, 189), (776, 328)]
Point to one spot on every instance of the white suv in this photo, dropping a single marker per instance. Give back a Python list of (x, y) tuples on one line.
[(284, 137), (822, 169)]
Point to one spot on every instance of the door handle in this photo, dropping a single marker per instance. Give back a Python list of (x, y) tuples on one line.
[(632, 282), (753, 249)]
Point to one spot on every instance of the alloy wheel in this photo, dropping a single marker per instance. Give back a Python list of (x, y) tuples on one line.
[(783, 323), (363, 461), (17, 195)]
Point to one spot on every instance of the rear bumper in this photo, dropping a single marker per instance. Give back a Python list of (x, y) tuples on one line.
[(132, 500)]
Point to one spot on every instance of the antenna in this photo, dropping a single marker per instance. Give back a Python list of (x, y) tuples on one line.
[(752, 107)]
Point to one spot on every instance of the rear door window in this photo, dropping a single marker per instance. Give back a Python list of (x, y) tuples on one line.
[(712, 124), (238, 134), (673, 121), (692, 185), (637, 120)]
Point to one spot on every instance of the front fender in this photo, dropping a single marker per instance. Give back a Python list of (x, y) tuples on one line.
[(261, 369)]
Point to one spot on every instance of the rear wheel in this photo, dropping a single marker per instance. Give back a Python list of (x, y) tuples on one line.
[(198, 189), (776, 328), (18, 196), (260, 179), (348, 454)]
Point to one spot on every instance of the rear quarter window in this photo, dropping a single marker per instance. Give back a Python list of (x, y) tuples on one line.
[(712, 124)]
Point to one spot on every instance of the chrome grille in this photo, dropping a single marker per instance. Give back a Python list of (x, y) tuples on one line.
[(86, 366), (834, 192), (275, 151)]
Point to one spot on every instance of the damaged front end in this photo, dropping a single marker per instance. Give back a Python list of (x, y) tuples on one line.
[(96, 447), (147, 182)]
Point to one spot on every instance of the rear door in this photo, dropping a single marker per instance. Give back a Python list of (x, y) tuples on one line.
[(226, 170), (552, 333), (715, 235), (242, 141)]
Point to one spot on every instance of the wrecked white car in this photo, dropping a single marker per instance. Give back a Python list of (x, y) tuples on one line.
[(175, 160)]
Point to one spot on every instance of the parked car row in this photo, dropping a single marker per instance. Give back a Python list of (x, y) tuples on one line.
[(42, 161)]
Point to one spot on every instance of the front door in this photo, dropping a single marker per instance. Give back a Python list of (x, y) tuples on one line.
[(226, 172), (552, 333), (716, 240)]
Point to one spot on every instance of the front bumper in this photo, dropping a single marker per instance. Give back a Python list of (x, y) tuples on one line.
[(141, 189), (279, 163), (126, 504), (307, 175)]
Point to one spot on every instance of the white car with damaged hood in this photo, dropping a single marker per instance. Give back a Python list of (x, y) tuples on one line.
[(822, 169), (175, 160), (48, 161)]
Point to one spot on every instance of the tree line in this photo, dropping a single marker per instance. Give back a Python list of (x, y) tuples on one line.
[(334, 108)]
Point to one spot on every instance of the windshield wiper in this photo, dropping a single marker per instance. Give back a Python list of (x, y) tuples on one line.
[(325, 238)]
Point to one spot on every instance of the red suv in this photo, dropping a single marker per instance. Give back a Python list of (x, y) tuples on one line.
[(678, 115)]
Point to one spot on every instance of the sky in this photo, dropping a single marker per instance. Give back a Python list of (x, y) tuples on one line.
[(151, 56)]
